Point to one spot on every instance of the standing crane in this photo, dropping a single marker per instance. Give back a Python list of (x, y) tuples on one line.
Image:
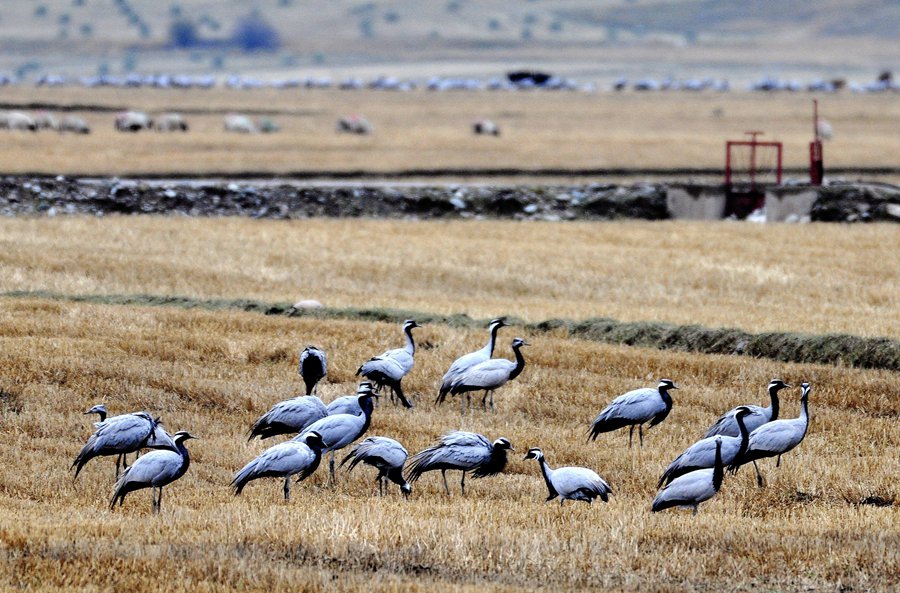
[(634, 409), (390, 367)]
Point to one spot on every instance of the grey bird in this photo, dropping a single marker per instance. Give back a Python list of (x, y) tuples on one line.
[(490, 375), (299, 457), (349, 404), (160, 440), (467, 361), (776, 438), (312, 367), (340, 430), (726, 425), (384, 454), (290, 416), (463, 451), (390, 367), (702, 454), (635, 408), (154, 470), (692, 488), (120, 435), (571, 483)]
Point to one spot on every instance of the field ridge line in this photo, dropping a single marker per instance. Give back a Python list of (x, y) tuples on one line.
[(833, 349)]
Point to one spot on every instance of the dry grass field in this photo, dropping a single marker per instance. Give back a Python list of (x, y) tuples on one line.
[(214, 373), (817, 278), (423, 130)]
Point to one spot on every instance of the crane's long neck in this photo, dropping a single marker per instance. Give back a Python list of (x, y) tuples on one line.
[(804, 413), (365, 403), (667, 399), (492, 341), (718, 469), (773, 395), (745, 435), (545, 470), (410, 344), (102, 415), (520, 363), (185, 456)]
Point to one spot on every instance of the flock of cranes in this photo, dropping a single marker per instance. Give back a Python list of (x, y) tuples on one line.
[(742, 435)]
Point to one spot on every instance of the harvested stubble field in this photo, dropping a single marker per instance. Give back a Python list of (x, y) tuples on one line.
[(425, 130), (818, 525)]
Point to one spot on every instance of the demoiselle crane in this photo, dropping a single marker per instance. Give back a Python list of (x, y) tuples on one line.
[(467, 361), (154, 470), (463, 451), (384, 454), (776, 438), (702, 454), (635, 408), (726, 425), (120, 435), (390, 367), (690, 489), (290, 416), (571, 483), (312, 367), (340, 430), (490, 375), (299, 457)]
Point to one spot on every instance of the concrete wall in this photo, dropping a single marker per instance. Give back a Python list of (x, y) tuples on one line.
[(699, 202)]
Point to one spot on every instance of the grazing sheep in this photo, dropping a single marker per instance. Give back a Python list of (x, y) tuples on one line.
[(170, 122), (240, 124), (354, 124), (268, 126), (485, 127), (133, 121), (16, 120), (74, 125), (44, 120)]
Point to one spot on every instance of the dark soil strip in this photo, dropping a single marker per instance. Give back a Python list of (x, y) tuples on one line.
[(834, 349)]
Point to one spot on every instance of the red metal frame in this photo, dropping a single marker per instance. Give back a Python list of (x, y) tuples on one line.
[(753, 143), (816, 161)]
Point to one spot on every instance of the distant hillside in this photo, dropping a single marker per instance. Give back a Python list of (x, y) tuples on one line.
[(590, 37)]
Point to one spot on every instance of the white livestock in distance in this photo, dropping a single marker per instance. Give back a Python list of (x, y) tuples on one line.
[(170, 122), (75, 125), (354, 124), (485, 127), (240, 124), (16, 120), (133, 121)]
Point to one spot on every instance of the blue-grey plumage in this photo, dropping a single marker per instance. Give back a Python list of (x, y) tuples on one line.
[(290, 416), (120, 435), (726, 425), (298, 457), (389, 368), (490, 375), (312, 367), (154, 470), (340, 430), (160, 439), (467, 361), (635, 408), (386, 455), (463, 451), (776, 438), (702, 454), (571, 483), (349, 404), (693, 488)]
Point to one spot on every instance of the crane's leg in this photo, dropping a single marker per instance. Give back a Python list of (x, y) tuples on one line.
[(287, 488), (380, 485), (118, 459), (444, 475), (462, 484), (403, 400), (630, 435), (158, 500), (778, 463), (641, 434), (484, 400), (124, 461), (694, 514), (759, 478), (331, 467), (492, 400)]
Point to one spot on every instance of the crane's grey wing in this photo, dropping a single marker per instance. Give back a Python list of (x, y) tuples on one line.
[(568, 480), (691, 488), (777, 437), (488, 374), (161, 440), (130, 432), (155, 468), (638, 405), (337, 431), (461, 365), (282, 459), (346, 404), (384, 365), (726, 425), (465, 439), (378, 451)]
